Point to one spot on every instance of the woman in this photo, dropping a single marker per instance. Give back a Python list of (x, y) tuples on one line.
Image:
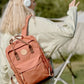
[(50, 35)]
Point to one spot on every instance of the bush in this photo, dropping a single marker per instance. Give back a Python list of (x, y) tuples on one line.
[(2, 4), (49, 8), (54, 8)]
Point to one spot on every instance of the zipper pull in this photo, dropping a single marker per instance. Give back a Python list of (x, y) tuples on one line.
[(31, 49), (17, 56)]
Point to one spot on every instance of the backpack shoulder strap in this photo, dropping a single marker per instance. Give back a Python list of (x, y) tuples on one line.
[(25, 28)]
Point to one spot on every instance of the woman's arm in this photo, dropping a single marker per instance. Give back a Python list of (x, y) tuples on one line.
[(66, 28), (69, 26), (51, 35)]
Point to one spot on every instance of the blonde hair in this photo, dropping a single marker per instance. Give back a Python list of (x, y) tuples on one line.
[(14, 17)]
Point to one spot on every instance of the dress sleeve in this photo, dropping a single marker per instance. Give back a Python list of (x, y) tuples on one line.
[(4, 77), (68, 27), (52, 35)]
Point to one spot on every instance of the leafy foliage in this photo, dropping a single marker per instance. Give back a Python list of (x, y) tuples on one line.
[(2, 4), (54, 8), (49, 8)]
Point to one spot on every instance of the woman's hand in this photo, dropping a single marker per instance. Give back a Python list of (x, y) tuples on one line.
[(73, 3)]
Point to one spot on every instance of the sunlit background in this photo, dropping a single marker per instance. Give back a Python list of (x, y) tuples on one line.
[(49, 8), (58, 9)]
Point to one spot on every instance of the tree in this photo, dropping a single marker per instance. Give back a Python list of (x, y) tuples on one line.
[(49, 8), (2, 4), (54, 8)]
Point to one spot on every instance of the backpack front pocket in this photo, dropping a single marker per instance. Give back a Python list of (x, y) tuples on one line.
[(34, 74)]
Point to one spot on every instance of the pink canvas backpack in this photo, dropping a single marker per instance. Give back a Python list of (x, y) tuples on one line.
[(27, 59)]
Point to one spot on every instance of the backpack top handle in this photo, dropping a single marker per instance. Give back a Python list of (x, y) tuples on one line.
[(25, 28)]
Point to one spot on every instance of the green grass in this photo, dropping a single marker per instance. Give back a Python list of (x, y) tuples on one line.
[(77, 62), (78, 68), (75, 57)]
